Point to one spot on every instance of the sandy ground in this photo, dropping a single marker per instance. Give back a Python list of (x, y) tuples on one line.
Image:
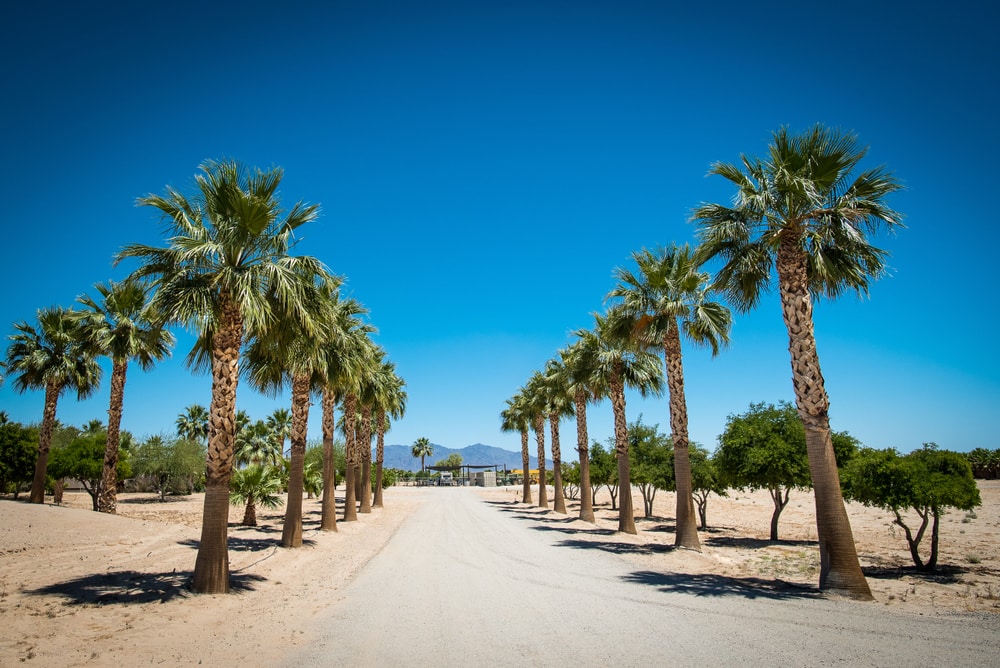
[(81, 588)]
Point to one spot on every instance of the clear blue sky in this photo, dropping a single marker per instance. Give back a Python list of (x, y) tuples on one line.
[(483, 166)]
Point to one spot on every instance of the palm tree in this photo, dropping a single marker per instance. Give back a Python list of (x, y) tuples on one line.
[(422, 448), (579, 364), (280, 424), (620, 363), (390, 402), (192, 424), (228, 249), (537, 406), (252, 485), (803, 213), (560, 405), (515, 418), (53, 357), (120, 326), (669, 296), (255, 445)]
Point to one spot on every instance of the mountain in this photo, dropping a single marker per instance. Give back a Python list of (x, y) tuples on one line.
[(477, 454)]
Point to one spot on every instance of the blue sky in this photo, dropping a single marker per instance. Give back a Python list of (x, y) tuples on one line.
[(482, 167)]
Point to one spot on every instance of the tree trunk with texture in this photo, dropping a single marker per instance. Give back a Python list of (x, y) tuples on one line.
[(525, 466), (840, 570), (582, 447), (44, 443), (250, 514), (107, 496), (379, 457), (211, 568), (543, 491), (366, 459), (350, 488), (558, 497), (291, 530), (328, 515), (686, 535), (626, 516)]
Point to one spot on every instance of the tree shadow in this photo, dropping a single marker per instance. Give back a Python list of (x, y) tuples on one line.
[(617, 548), (133, 587), (240, 544), (722, 585), (170, 498), (755, 543), (596, 531), (943, 574)]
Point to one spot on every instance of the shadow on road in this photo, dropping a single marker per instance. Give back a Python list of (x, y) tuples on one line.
[(754, 543), (616, 548), (130, 587), (721, 585)]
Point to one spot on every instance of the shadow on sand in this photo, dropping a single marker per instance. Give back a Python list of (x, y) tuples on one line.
[(721, 585), (132, 587)]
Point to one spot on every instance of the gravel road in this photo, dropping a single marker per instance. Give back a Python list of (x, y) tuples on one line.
[(468, 582)]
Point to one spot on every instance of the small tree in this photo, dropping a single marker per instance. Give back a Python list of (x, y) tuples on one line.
[(571, 479), (174, 465), (422, 448), (926, 481), (604, 471), (705, 480), (83, 459), (651, 461), (18, 451), (254, 485)]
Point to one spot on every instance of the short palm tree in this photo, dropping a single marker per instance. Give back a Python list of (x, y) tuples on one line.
[(119, 325), (422, 448), (803, 214), (666, 297), (255, 485), (192, 424), (53, 357), (515, 418), (228, 248), (620, 363)]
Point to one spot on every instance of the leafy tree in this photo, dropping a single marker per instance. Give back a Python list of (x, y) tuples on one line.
[(18, 451), (571, 479), (228, 251), (705, 480), (926, 481), (985, 463), (120, 326), (53, 357), (650, 454), (603, 470), (454, 459), (83, 459), (173, 465), (804, 213), (422, 448), (255, 485)]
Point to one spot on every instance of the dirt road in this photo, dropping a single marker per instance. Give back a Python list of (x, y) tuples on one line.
[(472, 582)]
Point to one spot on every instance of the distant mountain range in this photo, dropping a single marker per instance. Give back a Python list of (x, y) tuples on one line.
[(401, 457)]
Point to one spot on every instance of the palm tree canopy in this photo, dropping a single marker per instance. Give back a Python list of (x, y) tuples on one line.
[(120, 325), (192, 424), (616, 352), (805, 191), (53, 355), (669, 288)]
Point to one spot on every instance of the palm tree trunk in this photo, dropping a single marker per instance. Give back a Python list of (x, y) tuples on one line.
[(366, 459), (291, 529), (558, 498), (350, 491), (543, 492), (250, 514), (686, 535), (107, 496), (44, 443), (328, 521), (525, 467), (582, 447), (840, 570), (211, 568), (379, 457), (626, 517)]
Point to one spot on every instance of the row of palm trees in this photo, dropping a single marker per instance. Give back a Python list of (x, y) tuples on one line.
[(261, 313), (804, 213)]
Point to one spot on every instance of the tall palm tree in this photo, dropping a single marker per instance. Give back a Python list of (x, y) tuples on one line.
[(119, 325), (537, 406), (515, 418), (560, 405), (228, 248), (669, 296), (619, 363), (280, 424), (192, 424), (390, 402), (422, 448), (802, 213), (54, 357), (578, 361)]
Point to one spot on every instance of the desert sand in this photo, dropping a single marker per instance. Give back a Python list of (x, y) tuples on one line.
[(81, 588)]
